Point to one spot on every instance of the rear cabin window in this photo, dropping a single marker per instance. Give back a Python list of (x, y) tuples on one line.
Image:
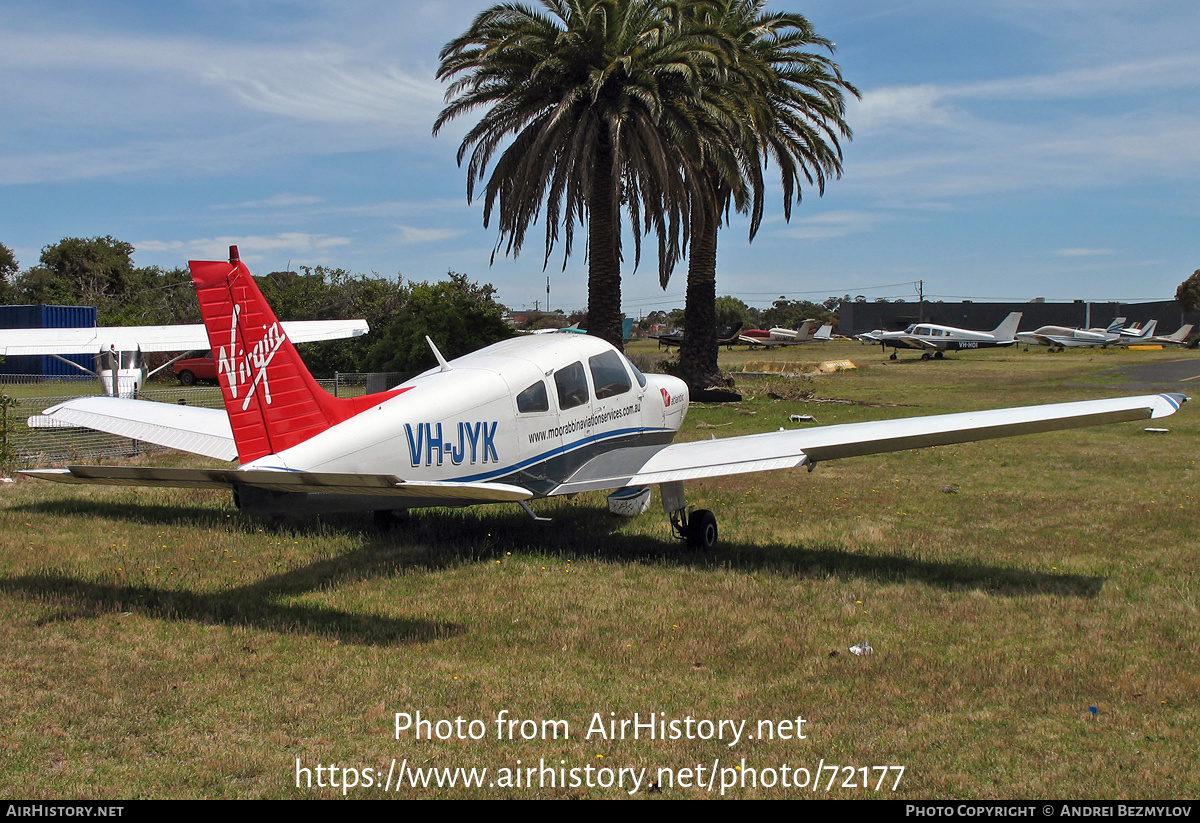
[(571, 383), (609, 375), (533, 399)]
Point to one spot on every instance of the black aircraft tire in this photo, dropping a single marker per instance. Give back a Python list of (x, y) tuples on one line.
[(702, 530)]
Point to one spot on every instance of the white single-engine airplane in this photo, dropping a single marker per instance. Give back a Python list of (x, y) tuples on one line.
[(526, 418), (1176, 338), (932, 340), (1061, 337), (120, 350)]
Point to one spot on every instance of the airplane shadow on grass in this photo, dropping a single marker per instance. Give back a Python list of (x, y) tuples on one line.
[(434, 539)]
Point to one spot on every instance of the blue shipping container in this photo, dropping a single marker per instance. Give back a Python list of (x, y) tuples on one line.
[(47, 317)]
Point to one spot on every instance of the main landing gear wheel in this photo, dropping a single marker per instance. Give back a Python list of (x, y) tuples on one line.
[(701, 531), (925, 356), (696, 527)]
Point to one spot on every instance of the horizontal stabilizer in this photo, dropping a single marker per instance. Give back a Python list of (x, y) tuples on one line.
[(430, 493), (188, 428), (647, 465)]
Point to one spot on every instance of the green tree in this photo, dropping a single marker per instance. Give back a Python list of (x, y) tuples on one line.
[(789, 100), (592, 94), (99, 271), (790, 313), (1188, 293), (8, 270), (729, 311), (323, 293), (458, 315), (92, 270)]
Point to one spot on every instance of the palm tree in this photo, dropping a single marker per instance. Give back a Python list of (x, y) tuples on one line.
[(790, 109), (591, 94)]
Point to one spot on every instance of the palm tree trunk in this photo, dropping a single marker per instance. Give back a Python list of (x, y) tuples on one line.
[(698, 352), (604, 249)]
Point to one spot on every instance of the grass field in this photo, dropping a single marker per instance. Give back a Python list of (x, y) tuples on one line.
[(158, 644)]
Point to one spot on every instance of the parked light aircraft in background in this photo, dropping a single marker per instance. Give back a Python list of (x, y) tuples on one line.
[(1177, 338), (933, 340), (121, 350), (1061, 337), (1145, 336), (725, 337), (525, 418), (779, 336), (1134, 335)]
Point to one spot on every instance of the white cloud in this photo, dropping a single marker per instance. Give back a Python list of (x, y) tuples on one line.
[(832, 224), (274, 202), (1083, 252), (329, 88), (407, 235), (898, 106), (252, 247)]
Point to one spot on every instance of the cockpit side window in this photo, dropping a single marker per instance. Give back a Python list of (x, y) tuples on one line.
[(533, 399), (641, 378), (571, 383), (609, 375)]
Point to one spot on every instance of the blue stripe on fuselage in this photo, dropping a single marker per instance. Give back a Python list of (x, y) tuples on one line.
[(516, 467)]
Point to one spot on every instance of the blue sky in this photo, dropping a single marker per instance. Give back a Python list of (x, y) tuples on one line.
[(1010, 149)]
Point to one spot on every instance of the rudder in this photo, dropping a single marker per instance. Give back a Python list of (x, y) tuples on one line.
[(271, 398)]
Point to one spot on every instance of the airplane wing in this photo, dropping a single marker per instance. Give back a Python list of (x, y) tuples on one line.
[(409, 493), (913, 342), (639, 465), (187, 428), (1043, 340), (14, 342), (648, 465)]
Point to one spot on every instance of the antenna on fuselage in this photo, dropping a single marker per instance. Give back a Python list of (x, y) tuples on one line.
[(441, 360)]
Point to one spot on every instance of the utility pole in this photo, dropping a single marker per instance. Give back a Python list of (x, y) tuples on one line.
[(920, 284)]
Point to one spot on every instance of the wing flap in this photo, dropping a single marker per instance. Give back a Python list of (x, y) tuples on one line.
[(913, 342), (793, 448)]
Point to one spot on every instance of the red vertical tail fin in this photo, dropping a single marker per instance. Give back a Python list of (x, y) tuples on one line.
[(272, 400)]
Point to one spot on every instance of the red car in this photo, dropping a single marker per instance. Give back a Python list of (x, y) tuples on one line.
[(195, 368)]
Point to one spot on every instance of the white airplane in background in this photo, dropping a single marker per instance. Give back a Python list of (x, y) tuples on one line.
[(1177, 338), (933, 340), (526, 418), (1134, 336), (1061, 337), (780, 336), (121, 350)]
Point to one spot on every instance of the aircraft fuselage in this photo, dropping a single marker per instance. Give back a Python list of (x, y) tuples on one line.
[(525, 412)]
